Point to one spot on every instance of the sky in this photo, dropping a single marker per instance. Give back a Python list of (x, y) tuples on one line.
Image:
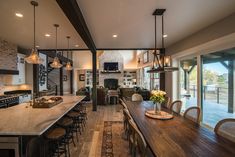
[(217, 67)]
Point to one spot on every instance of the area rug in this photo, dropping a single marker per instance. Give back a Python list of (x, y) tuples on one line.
[(113, 144)]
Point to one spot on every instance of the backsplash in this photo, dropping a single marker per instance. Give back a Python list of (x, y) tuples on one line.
[(8, 55)]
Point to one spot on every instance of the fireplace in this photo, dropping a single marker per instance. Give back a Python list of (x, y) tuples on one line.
[(111, 84)]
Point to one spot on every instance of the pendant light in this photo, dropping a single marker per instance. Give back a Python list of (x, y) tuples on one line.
[(68, 64), (34, 57), (161, 62), (56, 62)]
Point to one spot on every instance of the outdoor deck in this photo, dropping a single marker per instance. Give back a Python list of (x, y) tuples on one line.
[(212, 112)]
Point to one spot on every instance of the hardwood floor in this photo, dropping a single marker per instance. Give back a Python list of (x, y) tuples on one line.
[(90, 142)]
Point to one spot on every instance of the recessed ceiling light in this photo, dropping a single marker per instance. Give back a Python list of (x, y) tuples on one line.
[(37, 46), (19, 14), (76, 45), (115, 36), (47, 35), (165, 35)]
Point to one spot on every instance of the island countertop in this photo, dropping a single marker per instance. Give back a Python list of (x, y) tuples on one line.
[(23, 120)]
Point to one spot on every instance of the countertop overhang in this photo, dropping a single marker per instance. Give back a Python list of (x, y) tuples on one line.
[(23, 120)]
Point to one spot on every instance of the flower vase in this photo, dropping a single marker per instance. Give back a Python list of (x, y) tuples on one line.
[(157, 107)]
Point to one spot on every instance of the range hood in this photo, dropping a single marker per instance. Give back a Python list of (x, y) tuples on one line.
[(9, 72)]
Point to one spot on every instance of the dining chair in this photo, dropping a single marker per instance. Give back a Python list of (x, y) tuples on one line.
[(122, 103), (176, 106), (126, 118), (136, 140), (193, 114), (225, 128), (136, 97), (167, 102)]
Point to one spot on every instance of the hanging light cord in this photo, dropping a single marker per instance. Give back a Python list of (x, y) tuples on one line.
[(56, 41), (34, 28), (68, 37)]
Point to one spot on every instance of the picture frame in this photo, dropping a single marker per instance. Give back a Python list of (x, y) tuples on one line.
[(146, 57), (81, 77)]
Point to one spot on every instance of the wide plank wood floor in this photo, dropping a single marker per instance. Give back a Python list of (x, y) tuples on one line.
[(90, 142)]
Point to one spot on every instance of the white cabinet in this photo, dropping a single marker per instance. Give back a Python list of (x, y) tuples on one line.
[(20, 78)]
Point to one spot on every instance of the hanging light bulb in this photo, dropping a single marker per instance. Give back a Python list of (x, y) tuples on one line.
[(34, 58), (68, 64), (56, 62)]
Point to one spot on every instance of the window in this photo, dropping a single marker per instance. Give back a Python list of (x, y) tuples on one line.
[(188, 83), (146, 78)]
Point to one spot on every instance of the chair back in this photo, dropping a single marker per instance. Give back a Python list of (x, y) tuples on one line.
[(122, 103), (176, 106), (193, 114), (167, 102), (138, 138), (127, 114), (226, 129), (136, 97)]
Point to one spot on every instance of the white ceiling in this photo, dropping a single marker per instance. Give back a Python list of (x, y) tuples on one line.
[(132, 20), (20, 30)]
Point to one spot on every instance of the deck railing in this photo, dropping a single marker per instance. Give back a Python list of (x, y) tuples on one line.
[(218, 95)]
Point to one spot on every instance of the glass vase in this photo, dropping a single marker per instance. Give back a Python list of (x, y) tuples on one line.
[(157, 107)]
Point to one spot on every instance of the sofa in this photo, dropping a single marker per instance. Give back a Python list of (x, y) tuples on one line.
[(128, 92)]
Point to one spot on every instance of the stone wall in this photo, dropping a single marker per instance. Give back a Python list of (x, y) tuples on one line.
[(8, 55), (111, 56)]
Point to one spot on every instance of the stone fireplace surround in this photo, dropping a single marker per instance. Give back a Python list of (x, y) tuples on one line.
[(111, 56)]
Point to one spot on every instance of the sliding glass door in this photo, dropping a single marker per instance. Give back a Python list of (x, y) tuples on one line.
[(218, 75)]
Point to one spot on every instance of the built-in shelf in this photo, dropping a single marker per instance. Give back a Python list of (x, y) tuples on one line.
[(110, 72)]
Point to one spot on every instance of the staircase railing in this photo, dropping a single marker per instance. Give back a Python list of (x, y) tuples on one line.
[(52, 86)]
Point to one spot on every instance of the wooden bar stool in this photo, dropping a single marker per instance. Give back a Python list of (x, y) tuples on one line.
[(55, 138)]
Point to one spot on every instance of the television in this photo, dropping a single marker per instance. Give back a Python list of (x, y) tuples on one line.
[(111, 66)]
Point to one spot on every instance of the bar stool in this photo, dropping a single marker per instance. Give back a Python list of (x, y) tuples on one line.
[(83, 114), (55, 138), (67, 124), (75, 116)]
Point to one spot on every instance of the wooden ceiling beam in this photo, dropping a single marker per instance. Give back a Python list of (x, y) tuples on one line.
[(75, 16)]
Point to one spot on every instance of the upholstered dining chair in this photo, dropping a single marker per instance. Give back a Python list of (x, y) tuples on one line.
[(176, 106), (193, 114), (136, 97), (137, 140), (226, 129)]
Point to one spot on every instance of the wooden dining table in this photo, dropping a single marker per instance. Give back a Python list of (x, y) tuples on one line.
[(178, 137)]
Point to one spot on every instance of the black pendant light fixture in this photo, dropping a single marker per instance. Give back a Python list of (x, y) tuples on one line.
[(161, 62), (34, 57), (56, 62), (68, 64)]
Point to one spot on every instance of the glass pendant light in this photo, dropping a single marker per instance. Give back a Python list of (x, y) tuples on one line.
[(56, 62), (34, 57), (68, 64)]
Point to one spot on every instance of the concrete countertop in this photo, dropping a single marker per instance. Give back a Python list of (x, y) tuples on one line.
[(22, 119)]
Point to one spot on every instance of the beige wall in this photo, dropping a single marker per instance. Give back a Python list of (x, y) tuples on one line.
[(216, 37), (219, 29)]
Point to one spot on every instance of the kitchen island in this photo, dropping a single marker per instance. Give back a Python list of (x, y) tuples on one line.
[(23, 120)]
